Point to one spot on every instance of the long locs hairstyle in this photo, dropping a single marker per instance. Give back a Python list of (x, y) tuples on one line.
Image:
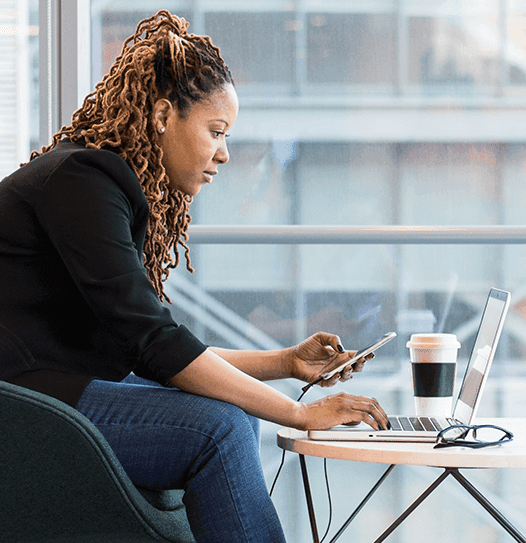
[(160, 60)]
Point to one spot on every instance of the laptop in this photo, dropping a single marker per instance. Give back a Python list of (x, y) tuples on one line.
[(425, 429)]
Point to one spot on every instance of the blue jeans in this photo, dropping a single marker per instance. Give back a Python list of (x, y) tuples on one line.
[(168, 439)]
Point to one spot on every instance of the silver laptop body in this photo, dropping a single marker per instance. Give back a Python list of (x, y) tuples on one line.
[(412, 428)]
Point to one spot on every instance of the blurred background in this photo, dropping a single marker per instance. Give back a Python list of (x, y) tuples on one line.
[(354, 113)]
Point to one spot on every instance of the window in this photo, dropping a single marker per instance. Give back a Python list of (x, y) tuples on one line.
[(455, 52), (353, 114), (269, 51), (352, 48), (19, 103)]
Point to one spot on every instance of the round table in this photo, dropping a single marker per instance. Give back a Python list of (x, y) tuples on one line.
[(508, 455)]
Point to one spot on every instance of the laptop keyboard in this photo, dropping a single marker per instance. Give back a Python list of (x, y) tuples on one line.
[(412, 424)]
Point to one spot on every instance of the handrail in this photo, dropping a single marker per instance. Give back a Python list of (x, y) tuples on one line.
[(391, 235)]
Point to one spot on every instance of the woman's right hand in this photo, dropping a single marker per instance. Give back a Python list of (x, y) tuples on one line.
[(342, 409), (212, 376)]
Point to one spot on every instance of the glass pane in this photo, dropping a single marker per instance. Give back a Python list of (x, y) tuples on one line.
[(305, 72), (438, 181), (115, 27), (252, 188), (19, 106), (351, 48), (268, 44), (456, 8), (515, 48), (297, 304), (446, 52), (290, 182)]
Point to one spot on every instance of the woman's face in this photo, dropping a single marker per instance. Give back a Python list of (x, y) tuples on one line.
[(194, 145)]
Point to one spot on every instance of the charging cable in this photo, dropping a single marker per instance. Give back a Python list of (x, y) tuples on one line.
[(305, 389)]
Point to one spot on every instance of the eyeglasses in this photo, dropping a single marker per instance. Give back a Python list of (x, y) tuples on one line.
[(475, 437)]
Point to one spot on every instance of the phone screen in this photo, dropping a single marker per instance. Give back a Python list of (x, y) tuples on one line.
[(363, 352)]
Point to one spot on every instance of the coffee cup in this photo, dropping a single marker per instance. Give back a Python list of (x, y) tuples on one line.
[(433, 369)]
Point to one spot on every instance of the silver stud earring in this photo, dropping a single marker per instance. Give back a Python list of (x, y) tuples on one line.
[(162, 130)]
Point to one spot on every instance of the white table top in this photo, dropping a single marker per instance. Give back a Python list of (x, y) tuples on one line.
[(508, 455)]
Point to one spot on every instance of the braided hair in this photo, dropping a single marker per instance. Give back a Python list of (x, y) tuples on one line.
[(160, 60)]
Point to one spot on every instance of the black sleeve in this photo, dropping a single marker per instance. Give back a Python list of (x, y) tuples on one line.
[(89, 207)]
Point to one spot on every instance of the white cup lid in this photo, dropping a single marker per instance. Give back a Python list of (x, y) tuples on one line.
[(433, 341)]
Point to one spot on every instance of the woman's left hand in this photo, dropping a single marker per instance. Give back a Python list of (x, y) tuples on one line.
[(321, 353)]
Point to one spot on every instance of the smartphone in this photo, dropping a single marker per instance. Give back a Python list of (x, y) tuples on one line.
[(362, 352)]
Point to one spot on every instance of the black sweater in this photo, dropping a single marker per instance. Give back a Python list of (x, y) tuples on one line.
[(75, 299)]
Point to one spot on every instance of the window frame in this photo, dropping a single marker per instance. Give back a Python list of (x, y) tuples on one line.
[(64, 41)]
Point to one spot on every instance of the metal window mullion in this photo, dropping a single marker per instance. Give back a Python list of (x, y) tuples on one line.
[(503, 67), (49, 61), (64, 59), (300, 56), (22, 85), (75, 56), (401, 49)]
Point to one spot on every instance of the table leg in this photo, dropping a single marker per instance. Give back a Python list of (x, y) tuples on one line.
[(490, 508), (308, 496), (413, 506), (363, 502), (310, 504)]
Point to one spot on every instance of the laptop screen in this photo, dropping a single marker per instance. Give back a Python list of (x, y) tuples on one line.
[(482, 355)]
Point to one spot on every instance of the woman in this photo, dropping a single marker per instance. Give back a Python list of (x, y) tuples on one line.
[(86, 230)]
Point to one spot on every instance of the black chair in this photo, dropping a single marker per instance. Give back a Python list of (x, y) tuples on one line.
[(60, 481)]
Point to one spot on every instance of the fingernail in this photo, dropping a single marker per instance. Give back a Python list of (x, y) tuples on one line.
[(340, 348)]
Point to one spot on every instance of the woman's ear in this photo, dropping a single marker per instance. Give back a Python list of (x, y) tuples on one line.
[(162, 111)]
